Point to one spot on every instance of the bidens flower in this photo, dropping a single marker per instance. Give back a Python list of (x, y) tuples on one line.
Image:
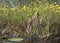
[(12, 9), (59, 7), (4, 9), (25, 8), (52, 6)]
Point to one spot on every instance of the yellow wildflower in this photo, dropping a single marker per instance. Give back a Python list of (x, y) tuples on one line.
[(57, 11), (59, 7), (4, 9), (51, 6), (24, 8), (12, 9), (55, 2)]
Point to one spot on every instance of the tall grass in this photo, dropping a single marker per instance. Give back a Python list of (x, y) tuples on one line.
[(38, 20)]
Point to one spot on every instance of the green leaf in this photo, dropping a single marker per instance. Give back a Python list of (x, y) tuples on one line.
[(15, 39)]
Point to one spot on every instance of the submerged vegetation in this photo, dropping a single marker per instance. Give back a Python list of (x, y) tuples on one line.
[(37, 22)]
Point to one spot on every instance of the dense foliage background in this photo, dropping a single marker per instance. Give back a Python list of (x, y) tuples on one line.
[(36, 21)]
